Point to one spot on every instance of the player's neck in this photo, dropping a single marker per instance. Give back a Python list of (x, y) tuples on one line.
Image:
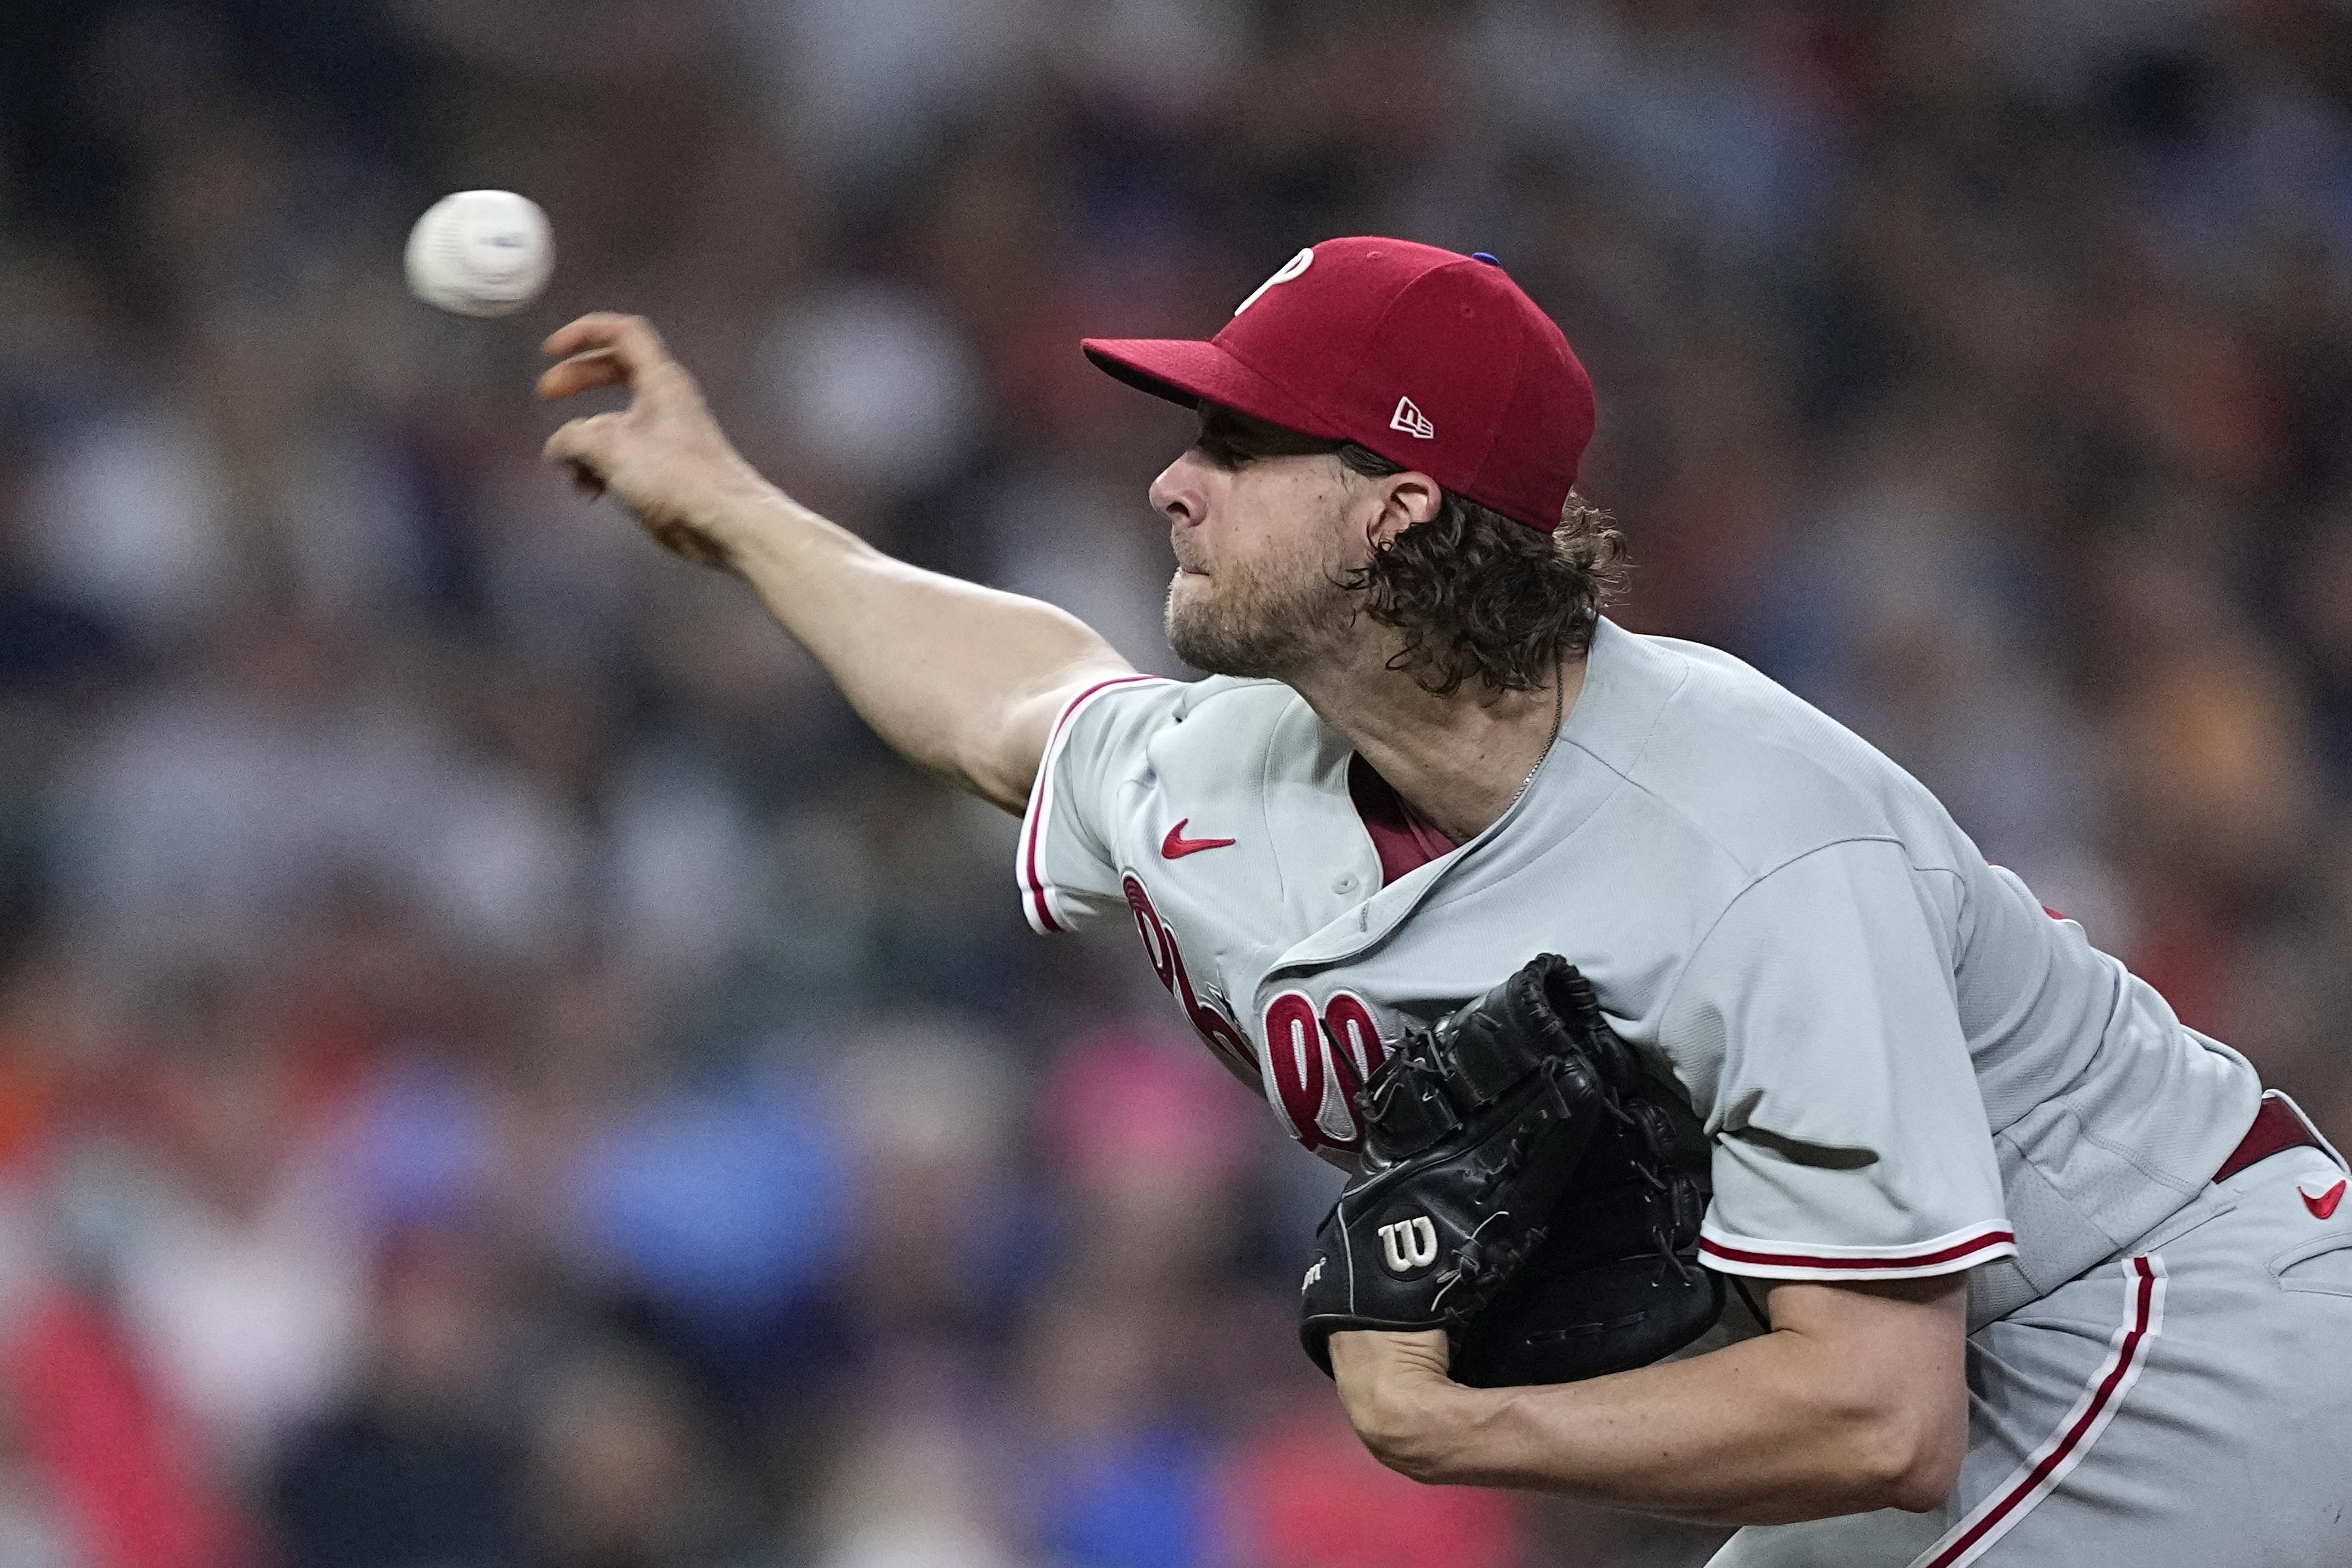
[(1461, 759)]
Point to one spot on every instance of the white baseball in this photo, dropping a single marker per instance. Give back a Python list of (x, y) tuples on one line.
[(481, 253)]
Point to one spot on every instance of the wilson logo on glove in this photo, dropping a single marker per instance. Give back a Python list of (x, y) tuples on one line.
[(1409, 1244)]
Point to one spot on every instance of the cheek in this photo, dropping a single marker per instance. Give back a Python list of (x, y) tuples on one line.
[(1230, 536), (1266, 528), (1315, 542), (1278, 517)]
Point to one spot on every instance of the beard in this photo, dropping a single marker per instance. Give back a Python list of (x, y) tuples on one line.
[(1266, 620)]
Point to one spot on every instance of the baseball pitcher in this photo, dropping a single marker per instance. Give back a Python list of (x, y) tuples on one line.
[(1611, 971)]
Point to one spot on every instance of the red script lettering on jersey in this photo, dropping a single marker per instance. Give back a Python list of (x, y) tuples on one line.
[(1168, 962), (1311, 1053), (1175, 846)]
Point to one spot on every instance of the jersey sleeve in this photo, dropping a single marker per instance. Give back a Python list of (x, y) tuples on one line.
[(1852, 1139), (1067, 862)]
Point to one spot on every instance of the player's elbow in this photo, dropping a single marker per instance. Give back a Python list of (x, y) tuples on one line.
[(1883, 1369), (1904, 1451), (1923, 1462)]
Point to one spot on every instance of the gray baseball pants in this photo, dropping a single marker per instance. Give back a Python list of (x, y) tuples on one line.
[(2187, 1404)]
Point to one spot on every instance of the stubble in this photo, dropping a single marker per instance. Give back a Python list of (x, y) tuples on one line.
[(1263, 620)]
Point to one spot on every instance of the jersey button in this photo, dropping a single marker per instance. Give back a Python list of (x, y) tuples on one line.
[(1345, 882)]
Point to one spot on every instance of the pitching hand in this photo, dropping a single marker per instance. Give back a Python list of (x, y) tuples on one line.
[(663, 455)]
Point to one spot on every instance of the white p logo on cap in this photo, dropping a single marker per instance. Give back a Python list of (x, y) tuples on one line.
[(1283, 274)]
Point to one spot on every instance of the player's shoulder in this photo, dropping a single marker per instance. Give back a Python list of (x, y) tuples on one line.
[(1156, 701), (1713, 747), (1158, 718)]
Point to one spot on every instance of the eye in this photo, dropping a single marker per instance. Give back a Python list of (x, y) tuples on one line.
[(1221, 449)]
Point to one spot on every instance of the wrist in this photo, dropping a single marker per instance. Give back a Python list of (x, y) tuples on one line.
[(1435, 1433), (747, 517), (1412, 1417)]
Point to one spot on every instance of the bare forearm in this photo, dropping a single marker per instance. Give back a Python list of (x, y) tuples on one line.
[(947, 672), (1739, 1437), (1857, 1399), (961, 680)]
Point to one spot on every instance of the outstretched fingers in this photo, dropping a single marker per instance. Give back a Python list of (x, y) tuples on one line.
[(633, 337), (583, 373), (601, 348)]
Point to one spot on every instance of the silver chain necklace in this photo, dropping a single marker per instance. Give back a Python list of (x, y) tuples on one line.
[(1558, 713)]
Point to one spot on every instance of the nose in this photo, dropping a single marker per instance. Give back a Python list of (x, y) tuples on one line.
[(1177, 493)]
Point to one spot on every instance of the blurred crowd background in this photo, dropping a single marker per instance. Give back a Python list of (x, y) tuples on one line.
[(497, 1068)]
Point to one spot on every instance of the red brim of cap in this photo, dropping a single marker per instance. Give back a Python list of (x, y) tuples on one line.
[(1190, 371)]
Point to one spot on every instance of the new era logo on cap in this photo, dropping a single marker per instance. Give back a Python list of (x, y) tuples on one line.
[(1411, 421)]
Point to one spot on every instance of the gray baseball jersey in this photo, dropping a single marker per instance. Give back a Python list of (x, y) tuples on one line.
[(1906, 1065)]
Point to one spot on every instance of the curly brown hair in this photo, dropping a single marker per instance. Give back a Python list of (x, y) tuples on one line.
[(1480, 597)]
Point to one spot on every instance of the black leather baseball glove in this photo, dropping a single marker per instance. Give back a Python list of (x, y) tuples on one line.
[(1527, 1188), (1616, 1282)]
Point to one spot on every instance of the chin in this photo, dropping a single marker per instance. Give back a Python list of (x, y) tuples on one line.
[(1190, 596), (1237, 628)]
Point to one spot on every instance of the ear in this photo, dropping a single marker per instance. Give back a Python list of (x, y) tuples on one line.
[(1406, 499)]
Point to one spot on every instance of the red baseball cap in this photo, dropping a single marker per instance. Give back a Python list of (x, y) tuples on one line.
[(1433, 359)]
